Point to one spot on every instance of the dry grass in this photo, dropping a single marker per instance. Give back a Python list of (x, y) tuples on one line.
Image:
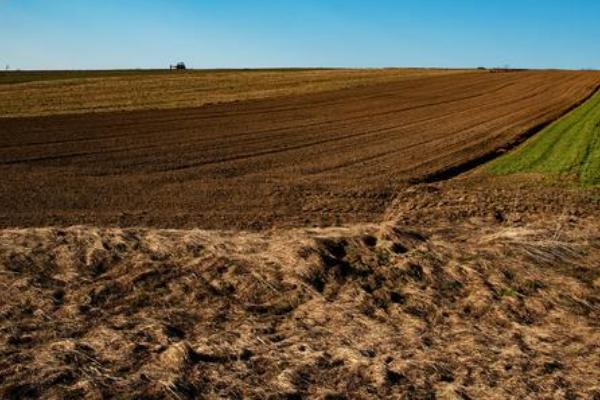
[(491, 311), (183, 89)]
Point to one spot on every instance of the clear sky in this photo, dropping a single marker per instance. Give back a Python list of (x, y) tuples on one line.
[(87, 34)]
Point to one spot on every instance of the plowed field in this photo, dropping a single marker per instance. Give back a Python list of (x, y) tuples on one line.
[(320, 158)]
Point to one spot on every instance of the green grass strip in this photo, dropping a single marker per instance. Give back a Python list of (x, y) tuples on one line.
[(568, 147)]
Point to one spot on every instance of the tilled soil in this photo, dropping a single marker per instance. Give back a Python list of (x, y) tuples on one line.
[(515, 198), (316, 159)]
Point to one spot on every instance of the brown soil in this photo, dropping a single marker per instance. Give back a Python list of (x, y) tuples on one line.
[(79, 92), (466, 293), (314, 159)]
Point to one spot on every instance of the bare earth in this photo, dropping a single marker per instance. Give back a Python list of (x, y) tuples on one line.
[(477, 287), (308, 159), (80, 92)]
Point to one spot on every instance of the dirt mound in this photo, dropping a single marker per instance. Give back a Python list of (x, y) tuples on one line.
[(315, 159), (480, 309)]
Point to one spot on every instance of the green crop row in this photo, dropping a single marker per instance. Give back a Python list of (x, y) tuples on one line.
[(568, 147)]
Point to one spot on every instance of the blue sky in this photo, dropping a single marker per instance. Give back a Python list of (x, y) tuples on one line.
[(84, 34)]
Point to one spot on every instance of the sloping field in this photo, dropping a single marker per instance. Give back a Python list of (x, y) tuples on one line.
[(570, 146), (320, 158), (14, 77), (70, 92)]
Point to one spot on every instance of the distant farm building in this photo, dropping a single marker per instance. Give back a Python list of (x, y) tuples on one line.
[(179, 65)]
